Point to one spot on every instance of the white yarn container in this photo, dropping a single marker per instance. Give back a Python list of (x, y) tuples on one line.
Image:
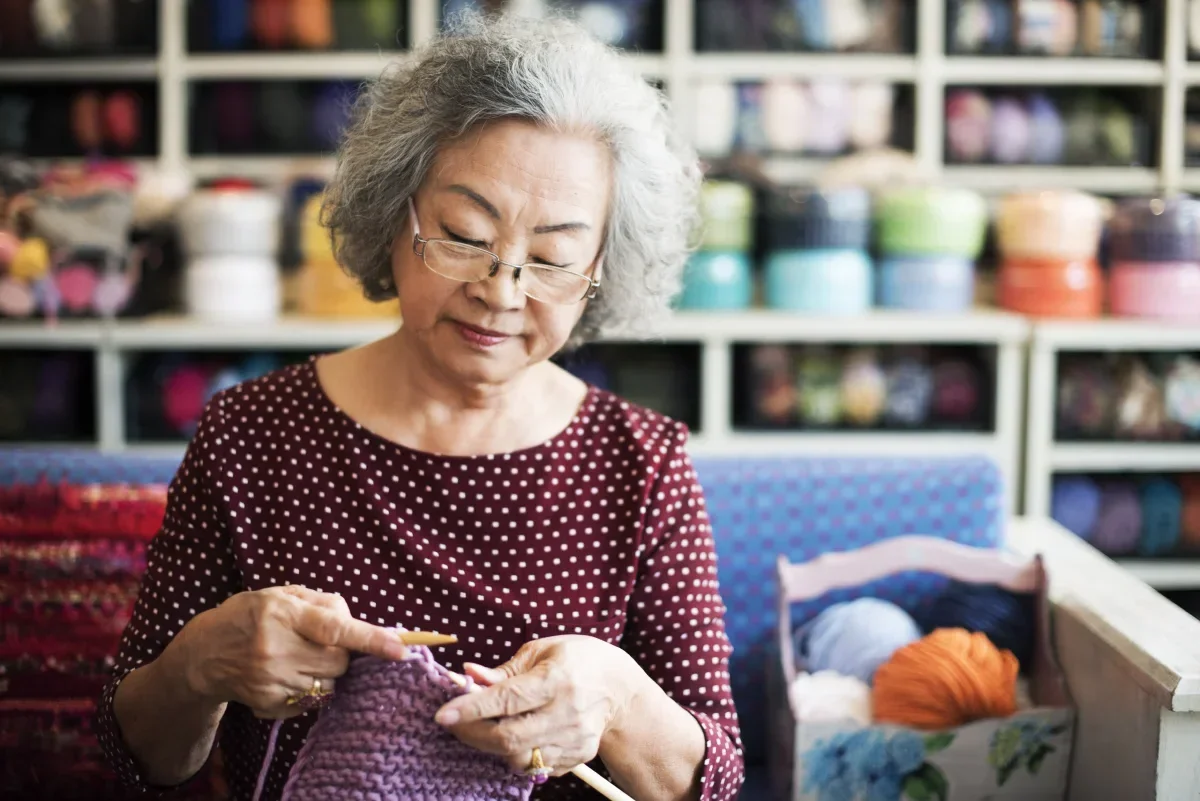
[(243, 222), (234, 289)]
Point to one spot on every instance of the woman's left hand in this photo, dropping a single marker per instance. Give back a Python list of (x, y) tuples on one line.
[(561, 695)]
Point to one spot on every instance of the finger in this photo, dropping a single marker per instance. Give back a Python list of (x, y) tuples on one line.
[(515, 696), (327, 627), (328, 600), (286, 701), (484, 676), (511, 738), (323, 661)]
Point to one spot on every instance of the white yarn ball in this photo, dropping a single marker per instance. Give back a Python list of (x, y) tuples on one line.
[(827, 696)]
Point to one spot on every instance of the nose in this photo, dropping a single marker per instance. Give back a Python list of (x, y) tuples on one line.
[(499, 291)]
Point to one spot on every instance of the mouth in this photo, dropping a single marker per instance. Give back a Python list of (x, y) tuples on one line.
[(481, 337)]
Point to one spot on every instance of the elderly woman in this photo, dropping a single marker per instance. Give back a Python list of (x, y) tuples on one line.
[(521, 190)]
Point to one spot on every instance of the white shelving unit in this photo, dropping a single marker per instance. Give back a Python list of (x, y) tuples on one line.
[(929, 70), (1045, 457), (716, 335)]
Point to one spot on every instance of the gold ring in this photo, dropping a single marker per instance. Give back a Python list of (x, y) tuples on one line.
[(315, 696), (537, 769)]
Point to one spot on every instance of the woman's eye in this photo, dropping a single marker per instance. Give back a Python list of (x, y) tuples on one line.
[(464, 240), (536, 260)]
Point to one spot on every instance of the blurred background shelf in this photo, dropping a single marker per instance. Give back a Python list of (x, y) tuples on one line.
[(105, 67), (752, 66), (1179, 574), (1012, 178), (1034, 71), (1123, 457)]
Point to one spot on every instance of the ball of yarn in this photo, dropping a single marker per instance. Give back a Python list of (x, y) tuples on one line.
[(1119, 520), (956, 390), (1046, 134), (948, 678), (123, 119), (1162, 510), (1075, 504), (183, 394), (77, 285), (1010, 131), (1189, 524), (9, 245), (827, 696), (16, 298), (968, 125), (31, 260), (910, 393), (331, 112), (1008, 619), (855, 638), (829, 105), (784, 106), (863, 387)]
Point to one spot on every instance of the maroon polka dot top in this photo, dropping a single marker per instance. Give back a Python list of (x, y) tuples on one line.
[(601, 530)]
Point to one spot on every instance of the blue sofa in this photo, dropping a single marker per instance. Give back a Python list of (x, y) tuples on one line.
[(760, 508)]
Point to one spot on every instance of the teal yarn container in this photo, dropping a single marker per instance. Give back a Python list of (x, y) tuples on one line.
[(717, 281), (1162, 516), (820, 281)]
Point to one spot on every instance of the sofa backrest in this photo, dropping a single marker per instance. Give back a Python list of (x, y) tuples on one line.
[(802, 507)]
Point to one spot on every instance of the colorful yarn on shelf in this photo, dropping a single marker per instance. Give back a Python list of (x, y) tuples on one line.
[(948, 678), (1162, 510), (1007, 618), (1189, 538), (1119, 521), (855, 638), (826, 697), (1075, 504)]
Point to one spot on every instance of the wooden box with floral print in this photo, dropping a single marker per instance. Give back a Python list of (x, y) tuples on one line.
[(1024, 756)]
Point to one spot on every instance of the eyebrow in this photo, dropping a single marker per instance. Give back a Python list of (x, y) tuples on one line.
[(494, 213)]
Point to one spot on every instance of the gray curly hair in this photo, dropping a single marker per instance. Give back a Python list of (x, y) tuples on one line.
[(552, 73)]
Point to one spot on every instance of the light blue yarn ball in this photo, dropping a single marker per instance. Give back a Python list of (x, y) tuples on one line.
[(855, 638)]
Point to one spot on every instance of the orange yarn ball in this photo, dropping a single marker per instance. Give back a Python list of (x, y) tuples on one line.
[(945, 679)]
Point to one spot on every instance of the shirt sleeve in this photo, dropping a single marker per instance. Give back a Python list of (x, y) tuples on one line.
[(189, 568), (676, 623)]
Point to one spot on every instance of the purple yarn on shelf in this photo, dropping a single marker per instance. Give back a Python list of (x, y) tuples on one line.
[(1075, 504), (1119, 522), (1010, 131)]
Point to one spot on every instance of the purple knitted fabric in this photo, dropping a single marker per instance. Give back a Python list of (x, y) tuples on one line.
[(377, 741)]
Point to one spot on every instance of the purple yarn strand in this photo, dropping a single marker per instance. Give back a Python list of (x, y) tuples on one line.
[(266, 768)]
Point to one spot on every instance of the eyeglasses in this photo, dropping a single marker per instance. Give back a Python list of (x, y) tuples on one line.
[(467, 263)]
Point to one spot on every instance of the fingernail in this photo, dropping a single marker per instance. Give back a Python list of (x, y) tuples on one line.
[(397, 650), (446, 717)]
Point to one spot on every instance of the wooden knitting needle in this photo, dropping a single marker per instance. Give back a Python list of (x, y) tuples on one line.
[(588, 776), (426, 638)]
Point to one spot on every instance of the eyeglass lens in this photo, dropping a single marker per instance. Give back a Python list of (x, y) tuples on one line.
[(466, 263)]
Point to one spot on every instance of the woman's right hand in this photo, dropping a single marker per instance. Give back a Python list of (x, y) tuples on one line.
[(263, 647)]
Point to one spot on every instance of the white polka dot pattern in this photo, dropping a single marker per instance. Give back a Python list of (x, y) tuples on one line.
[(601, 531)]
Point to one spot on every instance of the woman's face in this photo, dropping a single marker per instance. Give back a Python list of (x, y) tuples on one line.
[(527, 194)]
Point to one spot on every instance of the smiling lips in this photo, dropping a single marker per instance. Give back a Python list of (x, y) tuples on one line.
[(481, 337)]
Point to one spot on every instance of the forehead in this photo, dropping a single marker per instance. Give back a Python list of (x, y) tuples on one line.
[(516, 164)]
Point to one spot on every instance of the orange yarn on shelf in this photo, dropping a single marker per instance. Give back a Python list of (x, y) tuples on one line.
[(947, 678)]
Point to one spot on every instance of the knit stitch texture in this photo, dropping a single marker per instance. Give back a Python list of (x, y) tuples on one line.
[(377, 741)]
